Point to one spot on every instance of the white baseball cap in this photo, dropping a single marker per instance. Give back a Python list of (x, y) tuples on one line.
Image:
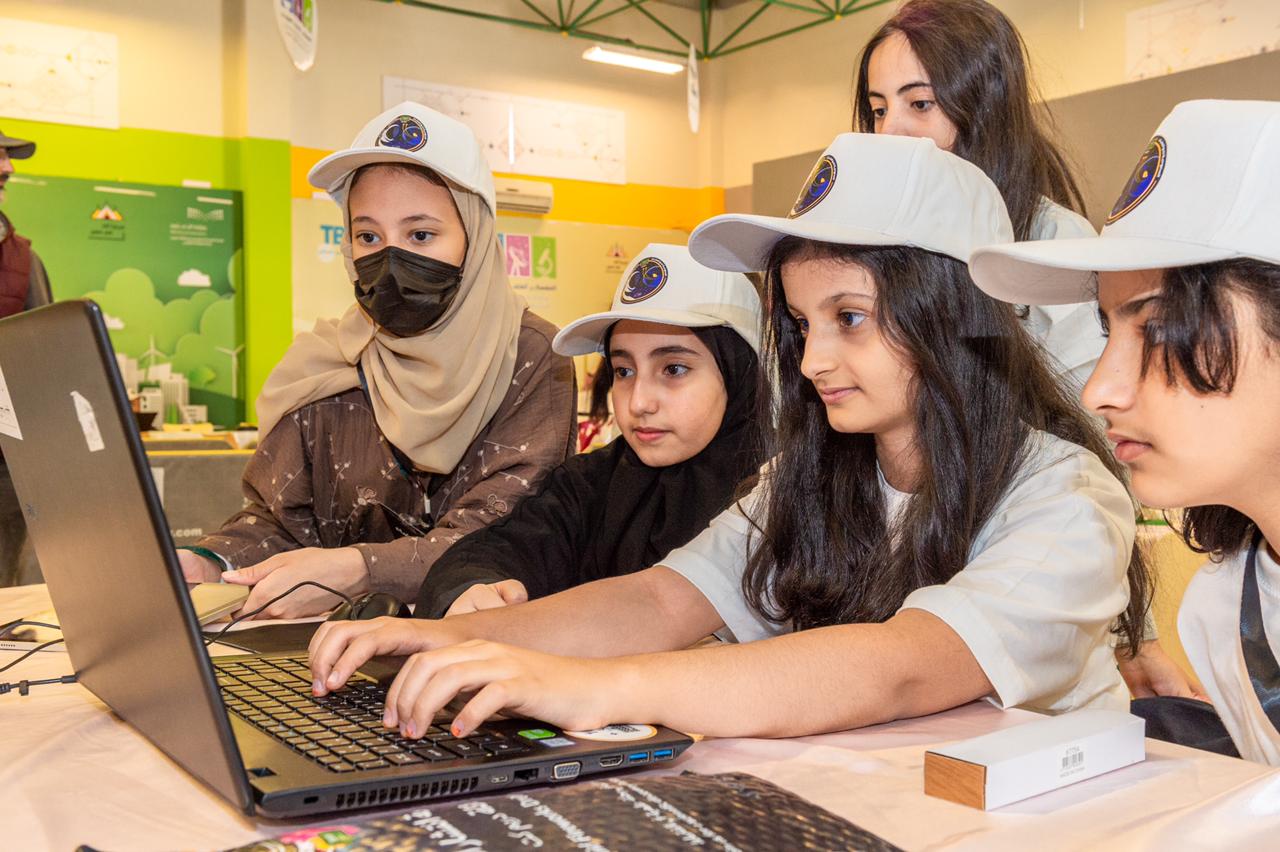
[(870, 189), (411, 133), (664, 284), (1206, 188)]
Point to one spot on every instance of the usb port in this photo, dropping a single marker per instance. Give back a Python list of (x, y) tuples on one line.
[(663, 754), (637, 757), (566, 771), (611, 760)]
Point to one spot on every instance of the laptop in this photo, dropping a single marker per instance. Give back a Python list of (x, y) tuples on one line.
[(247, 726)]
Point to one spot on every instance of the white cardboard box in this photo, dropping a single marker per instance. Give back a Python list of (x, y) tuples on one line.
[(1017, 763)]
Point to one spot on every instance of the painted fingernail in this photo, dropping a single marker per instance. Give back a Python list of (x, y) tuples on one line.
[(318, 687), (456, 729), (411, 730)]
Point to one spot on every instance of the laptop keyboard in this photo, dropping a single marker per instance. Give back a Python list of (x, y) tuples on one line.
[(343, 730)]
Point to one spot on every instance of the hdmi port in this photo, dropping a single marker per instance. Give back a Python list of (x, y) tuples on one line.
[(611, 760)]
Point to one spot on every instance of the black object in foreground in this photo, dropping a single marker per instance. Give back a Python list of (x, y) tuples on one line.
[(637, 814)]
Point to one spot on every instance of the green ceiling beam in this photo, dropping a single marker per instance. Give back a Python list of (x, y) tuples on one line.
[(787, 4), (742, 26), (587, 11), (539, 12), (626, 7), (569, 24), (704, 9)]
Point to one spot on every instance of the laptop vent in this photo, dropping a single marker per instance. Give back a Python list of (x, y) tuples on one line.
[(373, 796)]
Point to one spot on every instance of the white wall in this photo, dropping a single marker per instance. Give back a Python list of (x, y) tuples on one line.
[(171, 56), (216, 67), (794, 95), (361, 41)]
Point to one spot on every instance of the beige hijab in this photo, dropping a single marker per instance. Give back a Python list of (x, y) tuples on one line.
[(434, 392)]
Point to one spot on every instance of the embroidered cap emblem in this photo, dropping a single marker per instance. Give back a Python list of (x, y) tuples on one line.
[(645, 279)]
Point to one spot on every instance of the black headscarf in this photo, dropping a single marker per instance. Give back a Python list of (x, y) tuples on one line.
[(650, 511), (607, 513)]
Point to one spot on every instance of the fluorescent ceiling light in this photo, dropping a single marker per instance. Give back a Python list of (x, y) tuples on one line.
[(631, 60)]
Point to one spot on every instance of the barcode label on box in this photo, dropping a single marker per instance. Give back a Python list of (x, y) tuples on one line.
[(1072, 761)]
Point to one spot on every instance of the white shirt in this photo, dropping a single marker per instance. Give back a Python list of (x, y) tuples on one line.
[(1070, 333), (1046, 578), (1209, 624)]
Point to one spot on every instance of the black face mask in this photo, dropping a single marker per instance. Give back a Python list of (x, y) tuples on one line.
[(404, 292)]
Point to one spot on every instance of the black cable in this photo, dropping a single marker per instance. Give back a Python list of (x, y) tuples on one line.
[(24, 686), (10, 665), (239, 618), (22, 622)]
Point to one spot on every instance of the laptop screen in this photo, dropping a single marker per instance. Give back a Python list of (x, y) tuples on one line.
[(100, 534)]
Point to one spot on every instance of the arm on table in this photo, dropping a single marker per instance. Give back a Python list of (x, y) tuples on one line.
[(827, 679), (539, 544)]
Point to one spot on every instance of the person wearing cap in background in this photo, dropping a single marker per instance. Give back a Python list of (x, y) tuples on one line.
[(941, 522), (23, 286), (428, 410), (1187, 276), (679, 346)]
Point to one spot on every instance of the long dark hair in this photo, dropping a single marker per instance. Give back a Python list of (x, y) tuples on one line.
[(977, 65), (1193, 338), (981, 386)]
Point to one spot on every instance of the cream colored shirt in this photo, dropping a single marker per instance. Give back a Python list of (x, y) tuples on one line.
[(1071, 334), (1209, 625), (1045, 580)]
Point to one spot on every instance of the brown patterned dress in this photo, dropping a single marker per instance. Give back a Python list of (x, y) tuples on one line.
[(326, 477)]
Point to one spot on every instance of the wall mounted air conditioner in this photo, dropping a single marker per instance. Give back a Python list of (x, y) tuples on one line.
[(523, 196)]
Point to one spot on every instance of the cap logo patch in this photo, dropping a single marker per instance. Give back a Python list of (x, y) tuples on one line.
[(405, 133), (646, 279), (1144, 179), (820, 181)]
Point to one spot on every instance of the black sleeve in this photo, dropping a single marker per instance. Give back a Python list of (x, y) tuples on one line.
[(540, 543)]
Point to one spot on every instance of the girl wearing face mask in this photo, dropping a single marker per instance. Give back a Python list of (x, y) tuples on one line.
[(940, 522), (955, 71), (428, 410), (680, 363), (1187, 274)]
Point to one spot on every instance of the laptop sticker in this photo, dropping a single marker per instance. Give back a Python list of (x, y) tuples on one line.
[(88, 423), (616, 733), (8, 417), (556, 742), (537, 734)]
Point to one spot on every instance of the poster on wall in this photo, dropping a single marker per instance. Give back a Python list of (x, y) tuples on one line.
[(322, 288), (299, 24), (1177, 35), (528, 136), (61, 74), (163, 262)]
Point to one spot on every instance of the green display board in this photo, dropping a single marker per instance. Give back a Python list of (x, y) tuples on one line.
[(163, 262)]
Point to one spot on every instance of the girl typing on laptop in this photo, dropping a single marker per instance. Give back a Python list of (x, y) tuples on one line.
[(941, 523)]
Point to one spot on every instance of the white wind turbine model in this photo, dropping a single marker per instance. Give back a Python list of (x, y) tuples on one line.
[(151, 355), (235, 364)]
